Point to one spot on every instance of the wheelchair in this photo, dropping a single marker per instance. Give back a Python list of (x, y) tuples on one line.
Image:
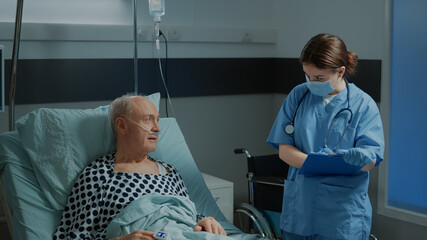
[(266, 176)]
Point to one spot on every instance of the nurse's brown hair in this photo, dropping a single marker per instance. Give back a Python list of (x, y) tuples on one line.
[(327, 51)]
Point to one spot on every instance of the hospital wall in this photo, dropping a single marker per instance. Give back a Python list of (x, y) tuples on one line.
[(214, 123)]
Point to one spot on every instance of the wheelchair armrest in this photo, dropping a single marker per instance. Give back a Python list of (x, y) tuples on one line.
[(268, 180)]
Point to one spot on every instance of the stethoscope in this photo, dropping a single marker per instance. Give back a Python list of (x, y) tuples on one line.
[(290, 129)]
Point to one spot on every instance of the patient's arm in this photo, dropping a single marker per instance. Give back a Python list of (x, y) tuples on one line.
[(138, 234), (209, 224)]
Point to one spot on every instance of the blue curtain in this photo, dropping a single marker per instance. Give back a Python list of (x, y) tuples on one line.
[(407, 179)]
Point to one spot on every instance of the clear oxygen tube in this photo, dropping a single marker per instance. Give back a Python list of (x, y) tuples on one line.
[(142, 126)]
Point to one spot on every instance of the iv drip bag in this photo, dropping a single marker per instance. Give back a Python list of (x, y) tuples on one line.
[(156, 8)]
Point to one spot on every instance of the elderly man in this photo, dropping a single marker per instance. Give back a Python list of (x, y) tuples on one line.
[(110, 183)]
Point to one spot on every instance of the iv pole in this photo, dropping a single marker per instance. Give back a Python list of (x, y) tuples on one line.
[(15, 55), (135, 48), (17, 38)]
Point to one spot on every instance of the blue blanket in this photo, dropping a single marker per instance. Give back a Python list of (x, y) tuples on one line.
[(172, 214)]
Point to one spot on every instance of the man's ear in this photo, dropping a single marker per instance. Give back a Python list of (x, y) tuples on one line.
[(120, 125)]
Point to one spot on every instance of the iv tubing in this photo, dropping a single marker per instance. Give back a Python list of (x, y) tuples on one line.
[(164, 83)]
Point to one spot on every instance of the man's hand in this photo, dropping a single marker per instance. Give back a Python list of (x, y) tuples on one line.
[(210, 225), (137, 235)]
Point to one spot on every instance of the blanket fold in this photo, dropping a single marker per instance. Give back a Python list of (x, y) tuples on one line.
[(174, 215)]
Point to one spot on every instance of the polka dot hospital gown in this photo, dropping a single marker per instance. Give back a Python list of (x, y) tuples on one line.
[(100, 193)]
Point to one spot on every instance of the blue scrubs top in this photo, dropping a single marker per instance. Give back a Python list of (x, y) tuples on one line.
[(333, 206)]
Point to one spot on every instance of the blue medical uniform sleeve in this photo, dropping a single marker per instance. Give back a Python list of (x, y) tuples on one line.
[(370, 133), (277, 134)]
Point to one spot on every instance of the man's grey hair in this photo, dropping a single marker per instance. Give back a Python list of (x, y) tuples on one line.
[(120, 107)]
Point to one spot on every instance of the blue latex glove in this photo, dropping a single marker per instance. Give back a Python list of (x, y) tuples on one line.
[(325, 151), (356, 156)]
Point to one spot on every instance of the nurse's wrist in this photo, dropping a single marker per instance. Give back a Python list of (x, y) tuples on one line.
[(368, 167), (291, 155)]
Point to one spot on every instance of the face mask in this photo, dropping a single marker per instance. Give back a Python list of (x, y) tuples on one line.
[(319, 88)]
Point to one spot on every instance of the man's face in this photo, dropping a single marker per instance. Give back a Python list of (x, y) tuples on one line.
[(143, 125)]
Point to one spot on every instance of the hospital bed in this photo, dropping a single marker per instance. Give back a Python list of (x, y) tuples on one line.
[(41, 159)]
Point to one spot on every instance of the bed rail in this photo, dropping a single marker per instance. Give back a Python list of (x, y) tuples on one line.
[(7, 217)]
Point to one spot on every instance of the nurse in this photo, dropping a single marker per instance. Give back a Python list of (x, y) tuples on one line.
[(327, 114)]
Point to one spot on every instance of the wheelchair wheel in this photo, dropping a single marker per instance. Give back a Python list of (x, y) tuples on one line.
[(372, 237), (250, 220)]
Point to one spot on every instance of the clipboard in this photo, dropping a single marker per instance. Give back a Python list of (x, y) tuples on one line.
[(327, 164)]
